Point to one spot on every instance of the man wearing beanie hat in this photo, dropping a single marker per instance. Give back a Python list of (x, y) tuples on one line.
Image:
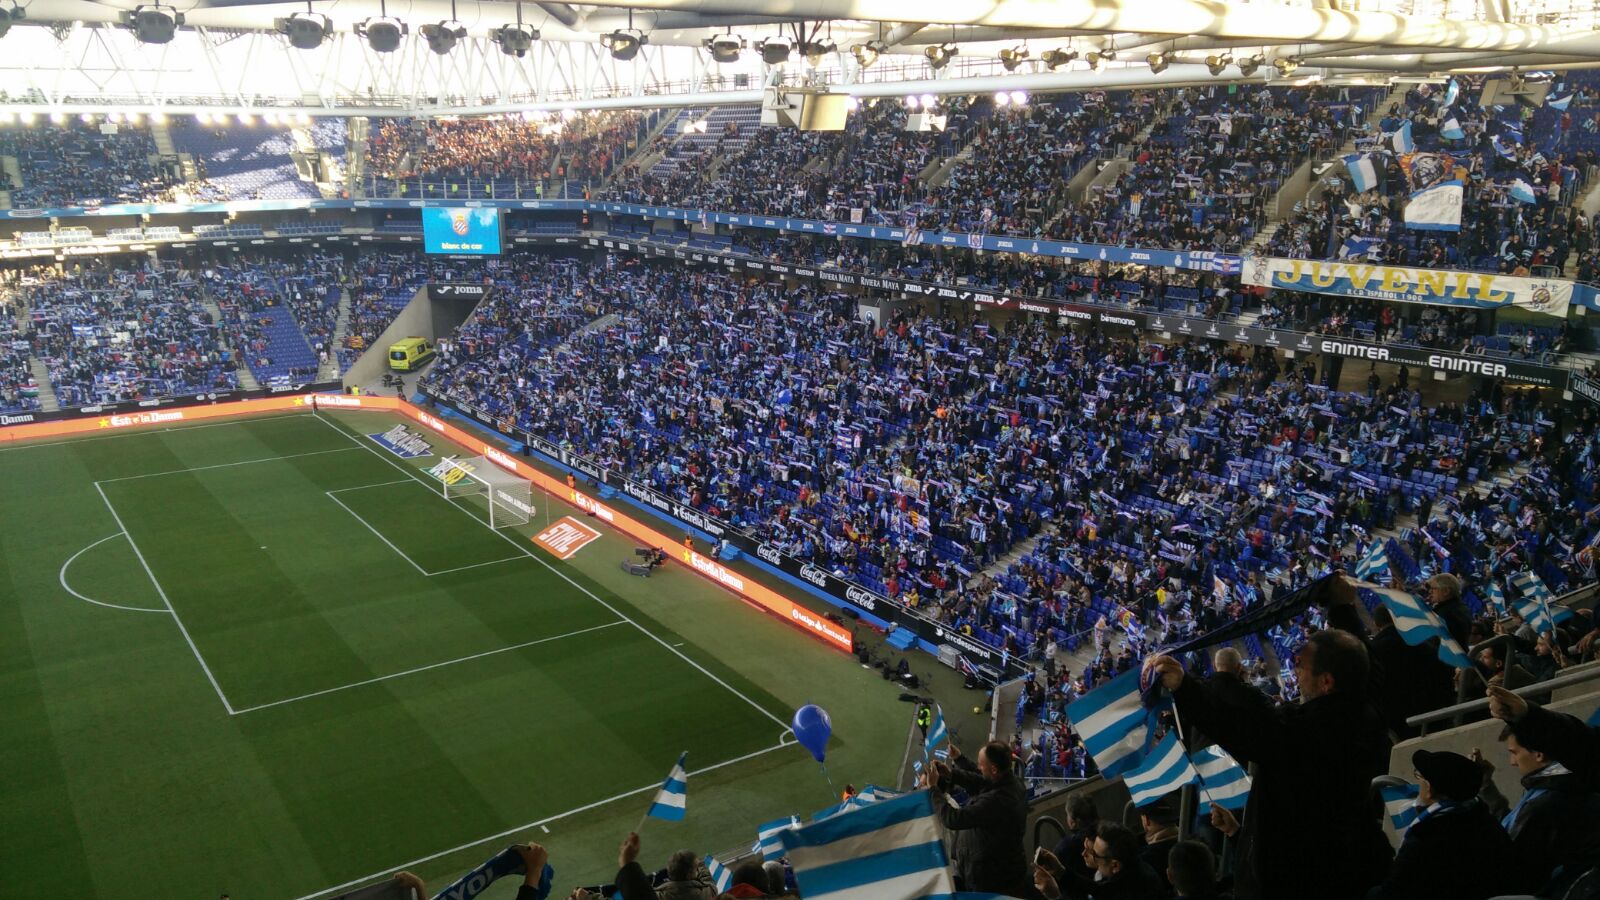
[(1455, 850)]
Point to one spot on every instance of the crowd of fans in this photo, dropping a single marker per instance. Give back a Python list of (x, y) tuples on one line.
[(115, 334), (18, 391), (77, 163), (246, 287), (911, 454), (1500, 145), (499, 156)]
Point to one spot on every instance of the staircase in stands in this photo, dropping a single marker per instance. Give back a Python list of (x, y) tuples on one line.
[(329, 371), (47, 391), (247, 379)]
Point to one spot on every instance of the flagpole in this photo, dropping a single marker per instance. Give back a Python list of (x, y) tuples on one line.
[(1177, 723)]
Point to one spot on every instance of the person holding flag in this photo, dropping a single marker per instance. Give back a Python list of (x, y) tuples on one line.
[(991, 828), (1307, 831)]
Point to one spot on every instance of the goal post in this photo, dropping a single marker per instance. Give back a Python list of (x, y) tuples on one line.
[(509, 496)]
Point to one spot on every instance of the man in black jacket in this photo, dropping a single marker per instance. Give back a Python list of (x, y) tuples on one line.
[(990, 827), (1454, 826), (1308, 831), (1556, 823)]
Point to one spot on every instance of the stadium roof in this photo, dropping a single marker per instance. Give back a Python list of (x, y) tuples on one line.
[(229, 55)]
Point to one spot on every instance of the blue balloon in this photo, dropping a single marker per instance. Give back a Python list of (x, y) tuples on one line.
[(811, 728)]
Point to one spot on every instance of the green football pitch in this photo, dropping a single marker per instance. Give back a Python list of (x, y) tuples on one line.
[(266, 657)]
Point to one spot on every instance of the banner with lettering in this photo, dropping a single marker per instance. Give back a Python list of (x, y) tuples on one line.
[(1479, 290)]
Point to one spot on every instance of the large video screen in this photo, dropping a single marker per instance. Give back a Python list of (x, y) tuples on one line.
[(461, 230)]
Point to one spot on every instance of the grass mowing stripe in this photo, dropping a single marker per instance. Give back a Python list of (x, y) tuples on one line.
[(146, 433), (378, 534), (437, 665), (164, 599), (671, 649), (228, 465), (540, 823)]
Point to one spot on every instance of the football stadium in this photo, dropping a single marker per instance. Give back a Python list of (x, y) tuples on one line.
[(842, 450)]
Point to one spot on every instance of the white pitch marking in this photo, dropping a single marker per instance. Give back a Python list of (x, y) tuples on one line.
[(164, 599), (653, 786), (246, 462), (410, 472), (73, 557), (448, 662)]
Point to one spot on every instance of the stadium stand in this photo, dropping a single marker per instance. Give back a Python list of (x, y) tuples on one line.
[(109, 335), (506, 156), (79, 163), (244, 162)]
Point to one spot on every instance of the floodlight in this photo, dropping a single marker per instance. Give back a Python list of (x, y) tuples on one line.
[(1055, 59), (814, 51), (153, 24), (442, 36), (1285, 65), (383, 33), (1093, 58), (1013, 57), (305, 31), (1002, 98), (928, 101), (939, 55), (775, 50), (1158, 62), (1249, 65), (624, 45), (1215, 64), (515, 40), (911, 101), (868, 53), (725, 48), (1019, 98), (13, 14)]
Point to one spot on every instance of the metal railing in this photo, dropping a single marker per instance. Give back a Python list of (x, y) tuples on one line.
[(1581, 675)]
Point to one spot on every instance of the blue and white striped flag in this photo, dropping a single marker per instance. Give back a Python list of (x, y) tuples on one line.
[(1402, 139), (1114, 724), (1400, 804), (1559, 103), (767, 836), (889, 849), (1533, 602), (1451, 92), (1450, 129), (1522, 192), (1163, 771), (1494, 595), (1222, 780), (1417, 623), (720, 876), (673, 797), (1374, 565), (1363, 171)]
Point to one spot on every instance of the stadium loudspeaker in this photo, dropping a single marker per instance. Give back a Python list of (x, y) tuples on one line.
[(805, 110)]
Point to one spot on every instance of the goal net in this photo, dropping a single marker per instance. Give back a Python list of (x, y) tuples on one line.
[(510, 497)]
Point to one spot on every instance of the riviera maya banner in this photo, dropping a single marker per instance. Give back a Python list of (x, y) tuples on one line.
[(1480, 290)]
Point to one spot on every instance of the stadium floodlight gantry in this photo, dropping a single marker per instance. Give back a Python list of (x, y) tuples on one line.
[(72, 56)]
